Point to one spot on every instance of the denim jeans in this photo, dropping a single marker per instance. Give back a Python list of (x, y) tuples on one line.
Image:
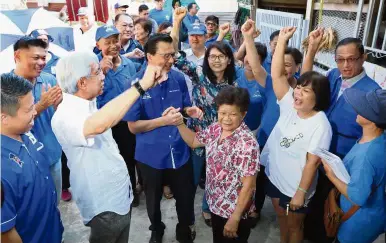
[(56, 173), (198, 163)]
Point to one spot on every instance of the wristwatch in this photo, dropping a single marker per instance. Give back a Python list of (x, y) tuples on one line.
[(139, 88)]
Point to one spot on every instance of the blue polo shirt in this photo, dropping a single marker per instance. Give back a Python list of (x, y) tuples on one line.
[(271, 113), (257, 100), (115, 81), (161, 16), (210, 41), (29, 191), (51, 64), (132, 45), (42, 129), (162, 147), (267, 63)]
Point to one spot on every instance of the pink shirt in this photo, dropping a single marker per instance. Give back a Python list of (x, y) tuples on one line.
[(228, 161)]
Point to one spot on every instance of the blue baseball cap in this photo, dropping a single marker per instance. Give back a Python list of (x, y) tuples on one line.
[(82, 11), (121, 4), (106, 31), (36, 33), (197, 29), (370, 105)]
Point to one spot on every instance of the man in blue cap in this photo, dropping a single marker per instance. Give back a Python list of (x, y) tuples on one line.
[(29, 212), (159, 14), (51, 58), (196, 52), (120, 7), (117, 69)]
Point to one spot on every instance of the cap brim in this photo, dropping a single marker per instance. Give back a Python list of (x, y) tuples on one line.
[(50, 38), (358, 100), (107, 36), (196, 33)]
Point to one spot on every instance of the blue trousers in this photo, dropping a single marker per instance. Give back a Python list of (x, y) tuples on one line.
[(198, 163)]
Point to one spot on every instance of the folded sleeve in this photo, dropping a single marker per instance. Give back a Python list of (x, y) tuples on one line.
[(206, 136), (249, 155)]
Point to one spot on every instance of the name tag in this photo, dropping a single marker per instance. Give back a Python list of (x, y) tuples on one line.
[(173, 91)]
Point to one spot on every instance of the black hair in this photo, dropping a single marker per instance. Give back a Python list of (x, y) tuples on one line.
[(274, 34), (261, 50), (190, 5), (164, 26), (142, 7), (175, 2), (146, 24), (118, 16), (26, 42), (351, 40), (230, 73), (231, 95), (295, 53), (321, 87), (151, 45), (213, 18), (13, 88)]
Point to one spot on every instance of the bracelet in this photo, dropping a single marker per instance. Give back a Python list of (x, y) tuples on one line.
[(302, 190), (139, 88)]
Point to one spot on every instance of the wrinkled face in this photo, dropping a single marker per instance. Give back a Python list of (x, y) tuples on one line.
[(125, 26), (93, 84), (31, 60), (290, 66), (197, 41), (120, 10), (304, 98), (144, 14), (23, 120), (164, 56), (211, 27), (218, 61), (230, 117), (194, 10), (83, 21), (273, 43), (349, 60), (140, 33), (159, 4), (109, 46)]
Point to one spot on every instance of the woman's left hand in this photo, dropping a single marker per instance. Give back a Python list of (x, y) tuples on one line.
[(231, 227), (329, 172), (297, 201), (194, 112)]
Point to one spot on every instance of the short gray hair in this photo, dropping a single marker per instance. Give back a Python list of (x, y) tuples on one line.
[(71, 68)]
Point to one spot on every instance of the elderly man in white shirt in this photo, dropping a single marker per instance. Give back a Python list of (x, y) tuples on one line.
[(85, 31), (99, 177)]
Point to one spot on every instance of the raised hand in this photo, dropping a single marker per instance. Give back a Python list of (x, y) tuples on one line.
[(315, 37), (224, 28), (106, 63), (152, 76), (50, 96), (194, 112), (179, 14), (286, 33), (249, 30)]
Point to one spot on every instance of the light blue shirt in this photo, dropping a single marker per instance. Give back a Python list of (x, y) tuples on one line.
[(161, 16), (366, 164)]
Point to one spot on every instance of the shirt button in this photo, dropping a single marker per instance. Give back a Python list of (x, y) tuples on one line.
[(162, 98), (46, 177), (170, 136), (37, 162), (53, 192)]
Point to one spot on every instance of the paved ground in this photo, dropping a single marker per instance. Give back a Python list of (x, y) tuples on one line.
[(75, 232)]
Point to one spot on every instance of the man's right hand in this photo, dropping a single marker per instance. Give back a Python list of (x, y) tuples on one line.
[(179, 14), (315, 37), (249, 30), (106, 63), (136, 53), (152, 76), (286, 33), (172, 117), (49, 96)]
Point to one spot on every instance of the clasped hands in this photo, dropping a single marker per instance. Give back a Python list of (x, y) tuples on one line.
[(173, 116)]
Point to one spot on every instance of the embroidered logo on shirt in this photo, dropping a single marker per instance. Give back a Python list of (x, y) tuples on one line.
[(146, 96), (287, 142), (16, 159), (174, 90)]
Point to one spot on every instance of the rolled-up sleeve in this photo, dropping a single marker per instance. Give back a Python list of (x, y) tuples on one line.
[(204, 136), (8, 209), (249, 155)]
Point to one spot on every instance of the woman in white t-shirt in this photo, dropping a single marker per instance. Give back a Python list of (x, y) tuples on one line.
[(302, 127)]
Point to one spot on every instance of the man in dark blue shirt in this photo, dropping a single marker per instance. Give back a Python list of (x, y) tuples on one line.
[(29, 212), (160, 150)]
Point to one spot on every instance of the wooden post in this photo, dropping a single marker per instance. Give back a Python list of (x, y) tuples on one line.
[(253, 9), (310, 13)]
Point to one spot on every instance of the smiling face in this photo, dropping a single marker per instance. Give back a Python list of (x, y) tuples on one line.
[(109, 46), (197, 41), (304, 98), (273, 43), (163, 56), (23, 120), (125, 27), (349, 60), (83, 21), (230, 117), (218, 61), (31, 60), (290, 66), (211, 27), (140, 33)]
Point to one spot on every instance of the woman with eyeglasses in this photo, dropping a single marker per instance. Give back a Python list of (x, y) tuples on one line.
[(217, 72), (290, 166)]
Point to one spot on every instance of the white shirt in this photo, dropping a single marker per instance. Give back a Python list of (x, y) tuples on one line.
[(99, 177), (292, 138), (191, 57), (85, 41)]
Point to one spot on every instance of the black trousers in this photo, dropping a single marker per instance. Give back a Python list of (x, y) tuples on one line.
[(181, 183), (65, 173), (126, 145), (261, 180), (218, 224)]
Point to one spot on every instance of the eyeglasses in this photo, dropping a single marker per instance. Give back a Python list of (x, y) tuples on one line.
[(211, 24), (349, 60), (98, 73), (221, 58), (167, 56)]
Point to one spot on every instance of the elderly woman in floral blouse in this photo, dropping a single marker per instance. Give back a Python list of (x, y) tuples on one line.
[(232, 156)]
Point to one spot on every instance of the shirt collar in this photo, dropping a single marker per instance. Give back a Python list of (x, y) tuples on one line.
[(80, 103), (11, 144), (237, 131), (355, 79), (212, 38), (38, 78), (189, 52)]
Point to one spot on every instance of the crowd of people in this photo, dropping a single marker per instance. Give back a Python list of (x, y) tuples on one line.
[(158, 102)]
